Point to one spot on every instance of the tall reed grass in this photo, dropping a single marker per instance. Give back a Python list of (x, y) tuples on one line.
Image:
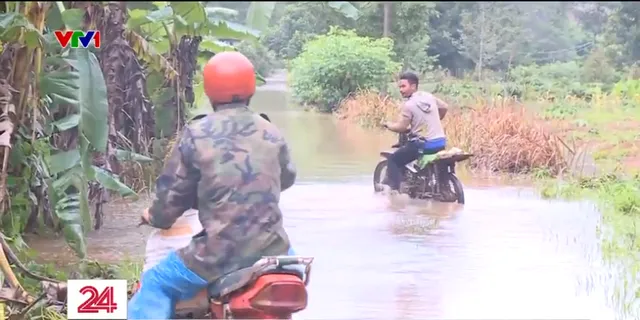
[(367, 108), (501, 134)]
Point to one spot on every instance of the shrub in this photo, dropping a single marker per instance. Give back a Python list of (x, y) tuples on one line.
[(565, 108), (334, 65), (627, 88), (556, 80), (263, 59), (462, 91), (598, 68)]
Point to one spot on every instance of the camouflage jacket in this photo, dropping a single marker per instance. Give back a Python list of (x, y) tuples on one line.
[(230, 165)]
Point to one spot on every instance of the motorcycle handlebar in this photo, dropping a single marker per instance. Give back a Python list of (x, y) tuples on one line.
[(143, 222), (404, 138), (264, 116)]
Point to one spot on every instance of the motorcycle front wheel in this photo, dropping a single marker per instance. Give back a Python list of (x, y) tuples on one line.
[(378, 175)]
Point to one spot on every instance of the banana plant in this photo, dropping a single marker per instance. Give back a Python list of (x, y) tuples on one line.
[(71, 171), (345, 8), (259, 15), (67, 104), (197, 32), (161, 29)]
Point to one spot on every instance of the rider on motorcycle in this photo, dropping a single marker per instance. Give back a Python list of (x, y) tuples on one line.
[(418, 117), (231, 165)]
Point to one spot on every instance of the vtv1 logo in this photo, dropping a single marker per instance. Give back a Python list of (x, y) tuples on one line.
[(78, 38), (97, 299)]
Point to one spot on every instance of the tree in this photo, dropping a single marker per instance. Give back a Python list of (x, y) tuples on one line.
[(303, 20), (624, 33), (551, 35), (178, 36), (68, 114), (491, 34), (593, 16), (386, 20), (405, 23), (445, 31)]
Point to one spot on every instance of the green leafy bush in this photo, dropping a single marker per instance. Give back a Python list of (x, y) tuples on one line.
[(597, 68), (462, 91), (555, 80), (263, 59), (627, 88), (339, 63)]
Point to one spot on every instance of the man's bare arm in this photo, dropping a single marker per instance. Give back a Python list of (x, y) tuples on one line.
[(404, 120), (400, 126)]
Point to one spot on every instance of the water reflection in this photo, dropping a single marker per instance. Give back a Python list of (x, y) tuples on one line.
[(487, 260), (323, 147)]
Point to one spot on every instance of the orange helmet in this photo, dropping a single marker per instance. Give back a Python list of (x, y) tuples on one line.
[(229, 77)]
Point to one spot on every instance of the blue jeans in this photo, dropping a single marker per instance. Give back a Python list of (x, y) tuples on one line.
[(408, 153), (434, 146)]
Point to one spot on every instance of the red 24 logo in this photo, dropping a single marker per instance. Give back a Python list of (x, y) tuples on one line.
[(97, 300)]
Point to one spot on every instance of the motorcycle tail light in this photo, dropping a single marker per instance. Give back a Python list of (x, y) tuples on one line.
[(281, 296)]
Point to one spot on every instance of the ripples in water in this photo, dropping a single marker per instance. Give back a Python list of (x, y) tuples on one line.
[(505, 254)]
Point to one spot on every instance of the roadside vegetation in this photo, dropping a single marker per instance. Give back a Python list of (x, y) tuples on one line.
[(547, 90), (79, 126)]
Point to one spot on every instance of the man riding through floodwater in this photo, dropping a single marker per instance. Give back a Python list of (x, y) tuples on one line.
[(420, 116), (232, 166)]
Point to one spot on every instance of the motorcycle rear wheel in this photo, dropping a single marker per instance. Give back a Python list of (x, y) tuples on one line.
[(455, 192)]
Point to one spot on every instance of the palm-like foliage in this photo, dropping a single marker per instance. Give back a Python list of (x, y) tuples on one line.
[(67, 117)]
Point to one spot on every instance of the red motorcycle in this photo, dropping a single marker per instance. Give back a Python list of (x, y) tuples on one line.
[(273, 288)]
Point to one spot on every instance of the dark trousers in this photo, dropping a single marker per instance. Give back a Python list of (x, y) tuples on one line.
[(397, 162), (400, 158)]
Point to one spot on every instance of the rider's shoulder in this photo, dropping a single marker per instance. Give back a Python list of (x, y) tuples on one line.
[(413, 99), (265, 125), (422, 95), (419, 97)]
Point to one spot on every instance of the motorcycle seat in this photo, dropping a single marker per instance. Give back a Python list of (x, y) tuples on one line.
[(240, 278)]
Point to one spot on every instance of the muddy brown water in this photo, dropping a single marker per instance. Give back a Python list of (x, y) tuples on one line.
[(506, 254)]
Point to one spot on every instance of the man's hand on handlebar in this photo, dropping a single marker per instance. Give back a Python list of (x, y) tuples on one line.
[(144, 218)]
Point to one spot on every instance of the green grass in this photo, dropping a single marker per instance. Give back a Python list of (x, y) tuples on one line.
[(607, 123)]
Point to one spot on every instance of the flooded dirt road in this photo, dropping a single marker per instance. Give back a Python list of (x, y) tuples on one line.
[(506, 254)]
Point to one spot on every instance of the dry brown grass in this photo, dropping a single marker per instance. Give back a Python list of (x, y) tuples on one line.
[(140, 177), (504, 137), (501, 134), (367, 108)]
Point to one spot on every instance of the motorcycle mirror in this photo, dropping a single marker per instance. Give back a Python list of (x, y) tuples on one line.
[(198, 117), (264, 116)]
